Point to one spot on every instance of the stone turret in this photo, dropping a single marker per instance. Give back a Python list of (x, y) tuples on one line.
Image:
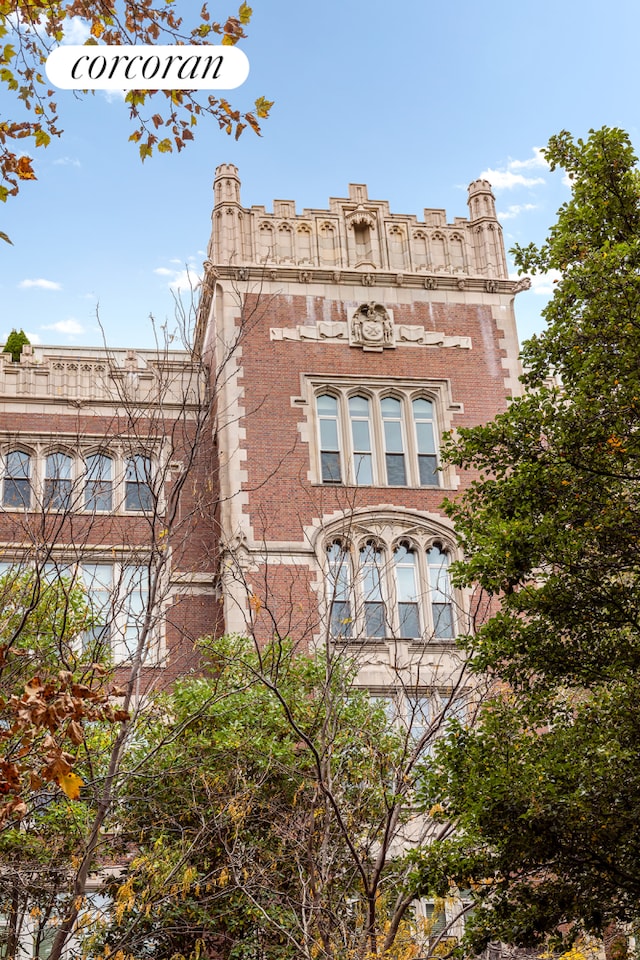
[(486, 230), (227, 216)]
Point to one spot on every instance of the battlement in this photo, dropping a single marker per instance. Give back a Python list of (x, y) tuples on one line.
[(78, 376), (356, 233)]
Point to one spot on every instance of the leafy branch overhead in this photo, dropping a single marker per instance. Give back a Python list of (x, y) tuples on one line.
[(163, 119)]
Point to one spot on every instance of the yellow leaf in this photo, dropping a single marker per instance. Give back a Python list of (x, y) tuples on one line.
[(97, 29), (245, 13), (70, 783)]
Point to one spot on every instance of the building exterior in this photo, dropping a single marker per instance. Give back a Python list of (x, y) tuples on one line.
[(344, 343), (283, 479), (106, 482)]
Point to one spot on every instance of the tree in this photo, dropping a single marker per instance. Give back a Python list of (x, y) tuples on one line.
[(545, 794), (28, 33), (14, 344), (273, 821), (56, 697)]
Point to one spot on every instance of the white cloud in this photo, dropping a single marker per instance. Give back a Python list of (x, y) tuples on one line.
[(537, 160), (66, 162), (114, 96), (185, 281), (70, 327), (544, 284), (515, 209), (507, 180), (509, 177), (41, 283), (76, 31)]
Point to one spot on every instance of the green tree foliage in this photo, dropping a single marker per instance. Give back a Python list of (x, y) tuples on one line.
[(15, 342), (260, 825), (546, 793)]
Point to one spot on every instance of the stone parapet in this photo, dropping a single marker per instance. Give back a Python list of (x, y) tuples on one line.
[(357, 234), (79, 375)]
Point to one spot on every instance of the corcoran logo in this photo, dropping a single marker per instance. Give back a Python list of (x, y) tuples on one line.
[(146, 67)]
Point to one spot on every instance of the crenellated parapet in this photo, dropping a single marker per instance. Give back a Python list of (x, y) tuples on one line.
[(356, 234), (80, 376)]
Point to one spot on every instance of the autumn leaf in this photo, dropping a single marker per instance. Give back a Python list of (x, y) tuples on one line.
[(70, 783), (23, 169)]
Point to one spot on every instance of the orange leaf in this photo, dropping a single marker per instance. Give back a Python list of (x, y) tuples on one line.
[(70, 783), (23, 169)]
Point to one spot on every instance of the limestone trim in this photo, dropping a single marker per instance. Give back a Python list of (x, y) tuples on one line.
[(374, 389), (372, 277)]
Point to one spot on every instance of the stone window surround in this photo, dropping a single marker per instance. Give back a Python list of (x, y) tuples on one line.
[(419, 542), (39, 450), (123, 568), (375, 388)]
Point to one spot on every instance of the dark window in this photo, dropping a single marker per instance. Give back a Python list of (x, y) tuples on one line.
[(441, 598), (327, 407), (393, 442), (57, 482), (17, 483), (409, 618), (339, 591), (98, 489), (374, 610), (138, 483), (426, 444)]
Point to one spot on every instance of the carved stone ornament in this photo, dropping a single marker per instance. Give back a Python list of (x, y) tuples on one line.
[(368, 280), (430, 283), (491, 286), (524, 283), (305, 276), (360, 217), (372, 327), (242, 274)]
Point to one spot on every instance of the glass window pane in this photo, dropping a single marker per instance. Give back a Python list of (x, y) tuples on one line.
[(363, 468), (374, 620), (405, 576), (58, 466), (423, 409), (396, 473), (390, 407), (137, 490), (18, 464), (409, 621), (341, 619), (16, 493), (17, 486), (327, 405), (359, 406), (443, 621), (329, 434), (424, 433), (361, 436), (330, 468), (429, 475), (393, 436)]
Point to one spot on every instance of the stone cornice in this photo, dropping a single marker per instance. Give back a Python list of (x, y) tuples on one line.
[(286, 273)]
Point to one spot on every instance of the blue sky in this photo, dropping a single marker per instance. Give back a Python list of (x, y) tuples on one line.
[(414, 99)]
